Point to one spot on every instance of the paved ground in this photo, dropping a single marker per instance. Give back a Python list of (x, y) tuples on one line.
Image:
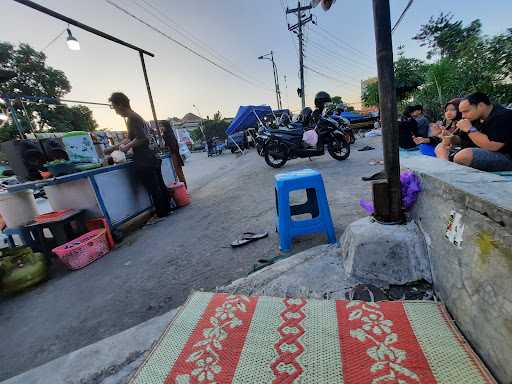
[(155, 269)]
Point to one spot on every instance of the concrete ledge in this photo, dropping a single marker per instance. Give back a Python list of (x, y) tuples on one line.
[(473, 280), (109, 361)]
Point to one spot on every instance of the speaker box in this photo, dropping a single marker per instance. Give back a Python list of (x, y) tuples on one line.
[(54, 149), (26, 158)]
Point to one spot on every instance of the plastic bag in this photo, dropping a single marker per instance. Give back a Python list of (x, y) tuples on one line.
[(410, 188), (118, 157), (310, 137)]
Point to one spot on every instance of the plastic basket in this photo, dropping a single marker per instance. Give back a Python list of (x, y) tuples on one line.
[(99, 223), (84, 250)]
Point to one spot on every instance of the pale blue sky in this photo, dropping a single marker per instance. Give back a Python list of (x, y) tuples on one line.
[(240, 31)]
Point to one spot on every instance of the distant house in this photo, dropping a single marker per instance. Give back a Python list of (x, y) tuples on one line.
[(183, 127)]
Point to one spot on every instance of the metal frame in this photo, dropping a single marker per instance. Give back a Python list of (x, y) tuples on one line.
[(104, 35)]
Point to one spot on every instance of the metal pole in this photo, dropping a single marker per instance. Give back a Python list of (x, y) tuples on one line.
[(301, 54), (388, 113), (80, 25), (276, 81), (150, 97)]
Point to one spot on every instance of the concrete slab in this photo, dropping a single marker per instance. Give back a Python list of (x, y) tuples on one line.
[(111, 360), (389, 254)]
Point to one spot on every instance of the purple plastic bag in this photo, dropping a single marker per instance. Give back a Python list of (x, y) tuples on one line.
[(410, 188)]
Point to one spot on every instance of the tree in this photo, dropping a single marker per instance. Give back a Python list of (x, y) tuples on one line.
[(445, 37), (216, 127), (337, 100), (35, 78), (370, 96)]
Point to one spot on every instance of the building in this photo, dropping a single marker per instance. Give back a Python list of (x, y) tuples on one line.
[(183, 127)]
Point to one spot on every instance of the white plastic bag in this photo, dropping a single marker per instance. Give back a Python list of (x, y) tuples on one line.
[(310, 137), (118, 157)]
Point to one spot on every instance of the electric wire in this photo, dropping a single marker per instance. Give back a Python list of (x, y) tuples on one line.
[(184, 46)]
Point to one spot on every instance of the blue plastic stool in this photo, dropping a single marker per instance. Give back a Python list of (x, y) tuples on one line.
[(316, 205)]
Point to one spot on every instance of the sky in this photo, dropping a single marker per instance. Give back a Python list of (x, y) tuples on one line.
[(339, 50)]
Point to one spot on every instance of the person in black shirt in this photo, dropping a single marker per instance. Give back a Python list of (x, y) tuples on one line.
[(489, 126), (147, 165), (407, 129)]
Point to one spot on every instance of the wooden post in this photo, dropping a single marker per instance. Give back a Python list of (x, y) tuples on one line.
[(388, 114)]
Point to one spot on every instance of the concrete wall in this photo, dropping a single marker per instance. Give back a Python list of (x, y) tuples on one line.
[(475, 281)]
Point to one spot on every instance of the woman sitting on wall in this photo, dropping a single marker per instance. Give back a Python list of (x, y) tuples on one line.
[(448, 130)]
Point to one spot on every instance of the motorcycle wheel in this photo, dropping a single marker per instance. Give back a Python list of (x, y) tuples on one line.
[(339, 149), (279, 161)]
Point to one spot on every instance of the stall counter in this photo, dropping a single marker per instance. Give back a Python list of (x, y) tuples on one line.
[(112, 192)]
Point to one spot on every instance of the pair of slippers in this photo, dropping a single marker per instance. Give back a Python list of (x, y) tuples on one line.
[(248, 237)]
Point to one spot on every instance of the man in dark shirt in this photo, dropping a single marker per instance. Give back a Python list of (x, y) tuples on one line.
[(147, 165), (489, 126), (421, 120)]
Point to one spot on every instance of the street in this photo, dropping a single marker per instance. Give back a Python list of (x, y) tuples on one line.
[(154, 269)]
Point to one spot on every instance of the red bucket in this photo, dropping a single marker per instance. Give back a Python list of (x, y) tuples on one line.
[(180, 194)]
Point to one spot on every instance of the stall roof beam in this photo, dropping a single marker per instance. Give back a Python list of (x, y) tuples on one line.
[(80, 25)]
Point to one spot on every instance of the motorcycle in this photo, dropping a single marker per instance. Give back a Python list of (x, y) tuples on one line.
[(283, 144)]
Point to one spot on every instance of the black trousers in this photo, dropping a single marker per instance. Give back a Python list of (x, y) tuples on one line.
[(151, 178)]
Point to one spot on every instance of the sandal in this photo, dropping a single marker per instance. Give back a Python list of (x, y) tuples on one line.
[(248, 237)]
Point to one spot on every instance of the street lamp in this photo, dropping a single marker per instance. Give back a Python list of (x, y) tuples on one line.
[(72, 42), (201, 126), (270, 56)]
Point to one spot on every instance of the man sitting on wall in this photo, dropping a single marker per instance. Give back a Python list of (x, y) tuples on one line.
[(489, 126)]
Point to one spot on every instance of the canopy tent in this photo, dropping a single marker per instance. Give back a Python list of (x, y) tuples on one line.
[(247, 117)]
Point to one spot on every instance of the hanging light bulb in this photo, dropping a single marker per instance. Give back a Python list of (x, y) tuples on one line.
[(72, 43)]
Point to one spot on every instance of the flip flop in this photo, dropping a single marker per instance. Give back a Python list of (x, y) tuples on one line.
[(376, 176), (248, 237), (366, 148)]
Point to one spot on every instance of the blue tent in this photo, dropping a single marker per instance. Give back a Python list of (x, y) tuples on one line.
[(354, 117), (247, 117)]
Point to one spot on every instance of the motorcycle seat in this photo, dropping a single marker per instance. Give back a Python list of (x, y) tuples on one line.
[(290, 131)]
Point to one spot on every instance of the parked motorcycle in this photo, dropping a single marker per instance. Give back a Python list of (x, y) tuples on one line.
[(282, 144)]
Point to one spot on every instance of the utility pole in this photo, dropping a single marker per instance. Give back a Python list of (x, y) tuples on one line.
[(386, 195), (276, 77), (298, 27)]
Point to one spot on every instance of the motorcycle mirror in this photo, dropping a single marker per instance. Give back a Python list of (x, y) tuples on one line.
[(327, 4)]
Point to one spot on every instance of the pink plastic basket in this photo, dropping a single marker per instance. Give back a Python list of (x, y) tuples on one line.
[(84, 250)]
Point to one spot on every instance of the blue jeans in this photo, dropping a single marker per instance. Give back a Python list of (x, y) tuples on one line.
[(490, 161)]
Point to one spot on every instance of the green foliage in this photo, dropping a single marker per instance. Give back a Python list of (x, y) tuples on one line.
[(370, 97), (216, 127), (446, 37), (196, 135), (337, 100), (35, 78), (467, 62)]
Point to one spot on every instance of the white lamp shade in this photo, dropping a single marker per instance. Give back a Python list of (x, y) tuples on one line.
[(73, 44)]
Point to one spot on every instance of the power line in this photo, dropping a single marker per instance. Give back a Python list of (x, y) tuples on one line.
[(402, 15), (176, 27), (328, 77), (53, 40), (184, 46), (339, 56), (350, 83), (342, 42), (333, 60)]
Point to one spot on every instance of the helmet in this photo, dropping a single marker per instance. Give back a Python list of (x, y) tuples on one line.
[(284, 120), (321, 98), (305, 116)]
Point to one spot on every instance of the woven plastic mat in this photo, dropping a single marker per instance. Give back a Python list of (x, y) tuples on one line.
[(221, 338)]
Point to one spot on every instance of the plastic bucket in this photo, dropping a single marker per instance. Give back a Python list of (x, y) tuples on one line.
[(428, 150), (18, 208), (180, 194)]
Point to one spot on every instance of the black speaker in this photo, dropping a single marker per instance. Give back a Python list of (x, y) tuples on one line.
[(54, 149), (26, 158)]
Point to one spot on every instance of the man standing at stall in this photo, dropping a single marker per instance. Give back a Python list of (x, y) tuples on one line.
[(147, 165)]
